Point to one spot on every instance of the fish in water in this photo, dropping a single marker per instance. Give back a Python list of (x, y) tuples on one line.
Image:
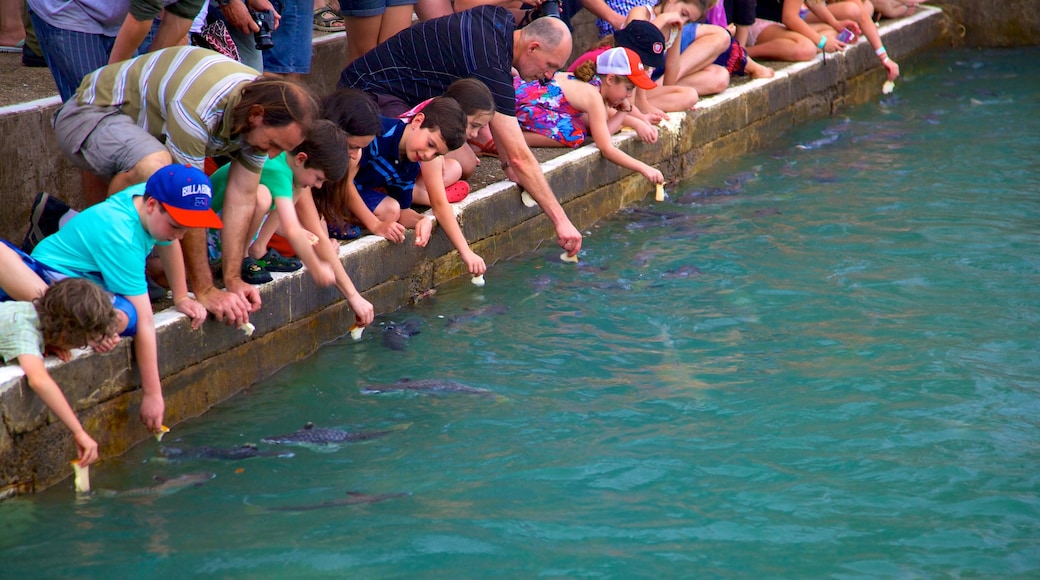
[(396, 335), (311, 435), (818, 143), (473, 313), (353, 498), (166, 485), (683, 271), (423, 386), (247, 451), (767, 212)]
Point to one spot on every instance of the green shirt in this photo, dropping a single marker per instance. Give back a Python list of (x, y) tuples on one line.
[(277, 176), (179, 95), (22, 334)]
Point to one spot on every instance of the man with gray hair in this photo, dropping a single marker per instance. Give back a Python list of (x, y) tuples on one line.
[(483, 43)]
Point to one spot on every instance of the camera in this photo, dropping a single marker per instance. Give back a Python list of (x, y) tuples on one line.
[(265, 20), (846, 36), (550, 8)]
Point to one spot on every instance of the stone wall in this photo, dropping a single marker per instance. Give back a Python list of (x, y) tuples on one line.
[(201, 368)]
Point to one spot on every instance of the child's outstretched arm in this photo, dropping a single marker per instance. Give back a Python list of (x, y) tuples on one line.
[(299, 239), (433, 175), (328, 252), (586, 98), (43, 385), (172, 258), (152, 405)]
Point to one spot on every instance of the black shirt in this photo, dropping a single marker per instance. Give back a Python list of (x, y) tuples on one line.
[(421, 61)]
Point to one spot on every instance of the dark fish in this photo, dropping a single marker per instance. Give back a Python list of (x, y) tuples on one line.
[(311, 435), (423, 386), (683, 271), (353, 498), (396, 335), (246, 451), (474, 313), (767, 212), (822, 142), (166, 485)]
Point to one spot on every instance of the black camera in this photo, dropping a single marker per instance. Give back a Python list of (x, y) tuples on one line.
[(265, 20), (550, 8)]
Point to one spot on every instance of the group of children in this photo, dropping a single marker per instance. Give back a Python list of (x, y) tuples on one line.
[(85, 285)]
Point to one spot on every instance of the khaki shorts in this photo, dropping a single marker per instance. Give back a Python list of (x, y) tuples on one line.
[(102, 139)]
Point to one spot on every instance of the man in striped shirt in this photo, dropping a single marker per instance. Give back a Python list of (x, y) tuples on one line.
[(181, 105), (420, 62)]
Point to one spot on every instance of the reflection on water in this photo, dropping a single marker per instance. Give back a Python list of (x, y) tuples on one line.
[(820, 360)]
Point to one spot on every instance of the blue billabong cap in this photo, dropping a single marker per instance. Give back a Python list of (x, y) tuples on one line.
[(186, 194), (645, 39)]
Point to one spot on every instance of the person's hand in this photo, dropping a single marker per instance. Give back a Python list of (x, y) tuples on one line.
[(195, 312), (833, 45), (106, 344), (568, 237), (226, 307), (364, 312), (245, 290), (392, 231), (423, 231), (851, 25), (892, 67), (88, 448), (647, 133), (261, 5), (654, 175), (237, 15), (63, 354), (474, 263), (617, 21), (655, 115), (152, 408), (666, 20)]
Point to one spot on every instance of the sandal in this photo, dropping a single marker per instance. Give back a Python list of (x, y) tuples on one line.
[(272, 261), (457, 191), (487, 149), (349, 232), (326, 20), (253, 273)]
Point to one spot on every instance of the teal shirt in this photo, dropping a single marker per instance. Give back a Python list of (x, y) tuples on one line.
[(276, 176), (106, 243)]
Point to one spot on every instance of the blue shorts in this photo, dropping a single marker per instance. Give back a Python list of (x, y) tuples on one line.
[(367, 8), (373, 197), (50, 276), (292, 49)]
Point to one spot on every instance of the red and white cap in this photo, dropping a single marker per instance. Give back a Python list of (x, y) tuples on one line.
[(625, 62)]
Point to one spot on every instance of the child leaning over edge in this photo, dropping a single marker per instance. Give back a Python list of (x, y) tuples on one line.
[(72, 313), (382, 189), (108, 243), (322, 158)]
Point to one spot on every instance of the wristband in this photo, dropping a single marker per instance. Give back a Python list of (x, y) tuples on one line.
[(822, 43), (880, 51)]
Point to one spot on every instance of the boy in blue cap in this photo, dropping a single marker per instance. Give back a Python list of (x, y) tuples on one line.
[(108, 244)]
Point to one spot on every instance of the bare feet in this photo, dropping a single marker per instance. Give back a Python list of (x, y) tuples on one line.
[(757, 71)]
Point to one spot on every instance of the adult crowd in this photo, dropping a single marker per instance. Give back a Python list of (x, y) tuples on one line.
[(195, 162)]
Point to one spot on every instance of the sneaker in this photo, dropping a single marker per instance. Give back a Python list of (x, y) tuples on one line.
[(254, 273), (44, 219), (275, 262)]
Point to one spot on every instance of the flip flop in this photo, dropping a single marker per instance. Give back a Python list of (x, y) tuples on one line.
[(484, 149), (326, 20), (457, 191), (13, 49)]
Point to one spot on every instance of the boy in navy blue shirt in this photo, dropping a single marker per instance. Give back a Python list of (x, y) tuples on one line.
[(381, 191)]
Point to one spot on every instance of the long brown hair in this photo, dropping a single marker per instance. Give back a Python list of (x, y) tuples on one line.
[(282, 101)]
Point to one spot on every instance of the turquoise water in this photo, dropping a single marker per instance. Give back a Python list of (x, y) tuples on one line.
[(812, 362)]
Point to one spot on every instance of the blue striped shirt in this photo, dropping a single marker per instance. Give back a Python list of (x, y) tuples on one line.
[(420, 62)]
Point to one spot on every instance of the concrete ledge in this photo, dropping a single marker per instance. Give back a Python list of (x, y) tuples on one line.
[(201, 368)]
